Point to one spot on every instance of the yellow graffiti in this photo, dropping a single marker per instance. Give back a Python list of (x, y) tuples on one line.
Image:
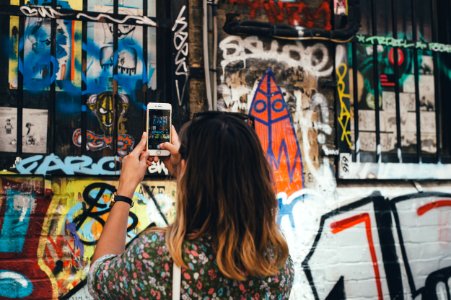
[(345, 116), (63, 254), (14, 52)]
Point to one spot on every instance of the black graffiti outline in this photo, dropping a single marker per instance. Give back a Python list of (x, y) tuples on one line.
[(384, 209), (386, 246), (89, 204), (415, 291)]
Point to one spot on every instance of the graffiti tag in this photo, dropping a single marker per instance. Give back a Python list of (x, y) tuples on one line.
[(181, 46)]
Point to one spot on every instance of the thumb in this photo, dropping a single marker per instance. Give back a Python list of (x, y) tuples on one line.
[(144, 156), (141, 146), (170, 147)]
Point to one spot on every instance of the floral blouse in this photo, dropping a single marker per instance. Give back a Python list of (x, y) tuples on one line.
[(144, 271)]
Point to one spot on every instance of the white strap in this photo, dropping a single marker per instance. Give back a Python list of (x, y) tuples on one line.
[(176, 281)]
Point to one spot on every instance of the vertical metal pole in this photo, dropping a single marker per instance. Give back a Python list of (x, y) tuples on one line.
[(437, 85), (376, 82), (416, 80), (396, 73), (355, 95), (20, 83), (52, 111), (84, 87)]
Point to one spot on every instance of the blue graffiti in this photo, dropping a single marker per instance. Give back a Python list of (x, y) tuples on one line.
[(287, 209), (16, 221), (71, 165), (14, 285)]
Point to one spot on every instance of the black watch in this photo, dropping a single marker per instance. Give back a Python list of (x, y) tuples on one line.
[(118, 198)]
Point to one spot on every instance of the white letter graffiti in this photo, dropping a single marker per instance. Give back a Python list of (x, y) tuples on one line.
[(181, 45), (314, 58)]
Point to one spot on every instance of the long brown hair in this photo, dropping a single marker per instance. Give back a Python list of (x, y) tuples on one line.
[(226, 192)]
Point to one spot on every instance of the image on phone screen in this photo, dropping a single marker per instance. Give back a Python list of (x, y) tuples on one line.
[(159, 127)]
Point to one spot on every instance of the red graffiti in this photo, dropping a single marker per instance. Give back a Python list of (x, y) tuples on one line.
[(277, 135), (22, 231), (341, 225), (436, 204), (96, 142), (294, 13)]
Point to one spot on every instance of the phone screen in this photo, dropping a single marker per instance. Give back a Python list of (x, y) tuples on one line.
[(159, 127)]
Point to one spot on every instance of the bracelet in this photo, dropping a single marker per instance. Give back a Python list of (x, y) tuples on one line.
[(118, 198)]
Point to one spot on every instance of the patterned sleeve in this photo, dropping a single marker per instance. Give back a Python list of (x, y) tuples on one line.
[(143, 270)]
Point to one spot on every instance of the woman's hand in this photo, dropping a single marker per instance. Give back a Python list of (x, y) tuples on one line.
[(173, 160), (134, 166)]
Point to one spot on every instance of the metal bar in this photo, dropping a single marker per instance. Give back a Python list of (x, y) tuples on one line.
[(84, 96), (115, 83), (146, 66), (416, 81), (437, 85), (396, 75), (20, 85), (376, 81), (52, 110), (355, 92)]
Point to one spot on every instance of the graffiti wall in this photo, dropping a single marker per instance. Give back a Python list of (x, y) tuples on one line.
[(77, 79), (327, 109), (348, 99), (49, 229)]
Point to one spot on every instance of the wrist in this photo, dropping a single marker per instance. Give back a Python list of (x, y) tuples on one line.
[(121, 199), (125, 190)]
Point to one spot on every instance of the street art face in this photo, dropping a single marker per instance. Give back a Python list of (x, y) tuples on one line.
[(105, 106)]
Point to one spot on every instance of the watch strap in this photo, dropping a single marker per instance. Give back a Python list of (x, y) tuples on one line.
[(119, 198)]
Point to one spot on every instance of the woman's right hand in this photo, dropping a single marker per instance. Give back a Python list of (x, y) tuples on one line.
[(173, 160)]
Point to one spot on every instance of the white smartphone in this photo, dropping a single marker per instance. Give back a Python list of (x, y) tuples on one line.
[(158, 127)]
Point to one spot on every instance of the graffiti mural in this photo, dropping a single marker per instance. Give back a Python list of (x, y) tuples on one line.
[(308, 14), (277, 135), (392, 235), (298, 70), (53, 226), (23, 203)]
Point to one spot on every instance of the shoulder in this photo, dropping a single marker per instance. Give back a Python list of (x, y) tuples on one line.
[(151, 241)]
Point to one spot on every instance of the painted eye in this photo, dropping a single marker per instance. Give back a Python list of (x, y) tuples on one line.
[(102, 111)]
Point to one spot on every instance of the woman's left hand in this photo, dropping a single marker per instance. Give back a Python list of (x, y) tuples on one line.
[(134, 166)]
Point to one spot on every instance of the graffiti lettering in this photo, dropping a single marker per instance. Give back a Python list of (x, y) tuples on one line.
[(385, 238), (74, 165), (344, 116), (347, 223), (141, 20), (50, 164), (393, 42), (93, 195), (294, 13), (158, 168), (181, 46), (314, 58), (41, 11)]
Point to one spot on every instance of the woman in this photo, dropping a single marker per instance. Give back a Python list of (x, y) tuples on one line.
[(224, 236)]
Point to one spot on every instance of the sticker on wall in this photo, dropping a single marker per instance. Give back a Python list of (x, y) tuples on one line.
[(34, 130), (8, 129)]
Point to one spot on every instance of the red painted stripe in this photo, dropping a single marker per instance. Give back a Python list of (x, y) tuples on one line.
[(341, 225), (436, 204)]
